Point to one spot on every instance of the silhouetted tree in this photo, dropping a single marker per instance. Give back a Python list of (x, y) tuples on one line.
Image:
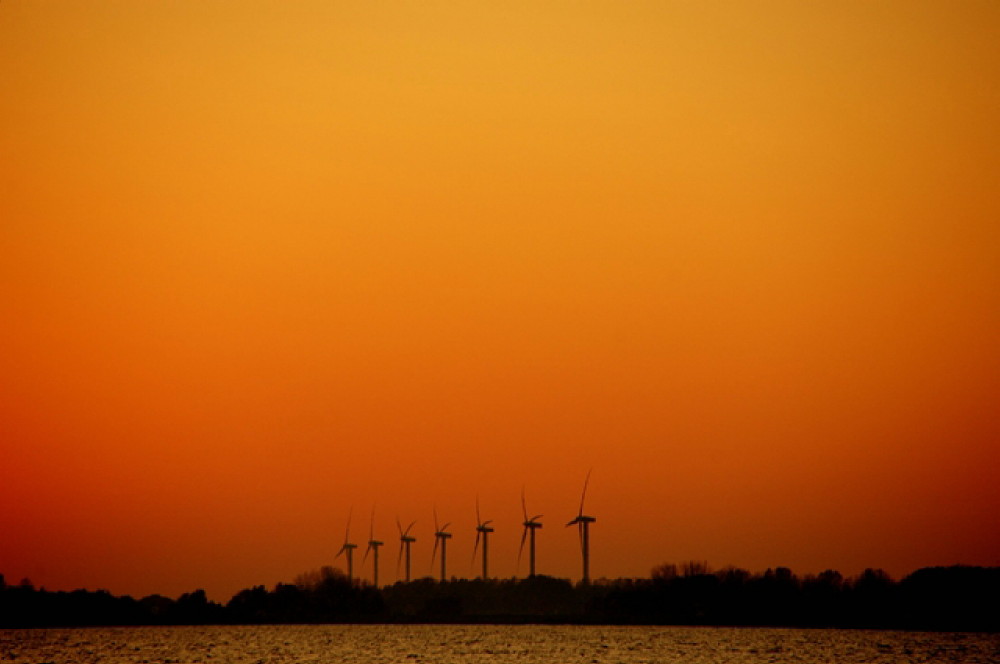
[(664, 572), (822, 599), (157, 607), (733, 601), (695, 568), (871, 599), (249, 606), (194, 608)]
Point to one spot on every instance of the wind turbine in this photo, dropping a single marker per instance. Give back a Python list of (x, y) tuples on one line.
[(583, 524), (348, 549), (442, 537), (404, 545), (482, 530), (373, 545), (530, 525)]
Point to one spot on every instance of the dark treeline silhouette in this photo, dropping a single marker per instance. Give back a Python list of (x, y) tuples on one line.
[(958, 598)]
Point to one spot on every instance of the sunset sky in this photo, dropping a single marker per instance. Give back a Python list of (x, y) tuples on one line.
[(265, 262)]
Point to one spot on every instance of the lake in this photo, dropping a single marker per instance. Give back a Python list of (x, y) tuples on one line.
[(280, 644)]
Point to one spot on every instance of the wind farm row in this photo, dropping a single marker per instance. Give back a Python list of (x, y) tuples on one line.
[(483, 529)]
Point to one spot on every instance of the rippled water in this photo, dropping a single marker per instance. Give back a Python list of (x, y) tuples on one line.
[(460, 644)]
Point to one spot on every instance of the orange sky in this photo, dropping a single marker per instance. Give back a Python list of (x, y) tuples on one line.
[(263, 261)]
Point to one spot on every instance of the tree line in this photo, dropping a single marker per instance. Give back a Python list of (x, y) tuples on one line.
[(958, 598)]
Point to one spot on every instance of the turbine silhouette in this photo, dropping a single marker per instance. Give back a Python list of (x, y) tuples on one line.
[(530, 525), (373, 545), (482, 530), (442, 537), (347, 548), (404, 545), (583, 524)]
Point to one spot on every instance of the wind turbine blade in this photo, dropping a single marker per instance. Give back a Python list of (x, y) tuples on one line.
[(399, 558), (479, 520), (342, 549), (363, 560), (476, 547), (579, 531), (583, 496), (520, 549), (537, 517), (436, 529), (576, 520), (487, 522), (445, 526), (412, 523), (434, 553), (347, 533), (524, 505), (400, 526)]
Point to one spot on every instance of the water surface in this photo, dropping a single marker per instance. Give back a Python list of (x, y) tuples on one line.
[(462, 644)]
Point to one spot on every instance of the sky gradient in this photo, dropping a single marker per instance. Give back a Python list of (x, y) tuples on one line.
[(261, 262)]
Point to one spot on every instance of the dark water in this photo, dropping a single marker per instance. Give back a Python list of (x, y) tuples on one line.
[(460, 644)]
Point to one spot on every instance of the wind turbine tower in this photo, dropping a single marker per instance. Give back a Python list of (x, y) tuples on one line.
[(583, 522), (373, 545), (348, 549), (530, 525), (482, 530), (442, 537), (404, 546)]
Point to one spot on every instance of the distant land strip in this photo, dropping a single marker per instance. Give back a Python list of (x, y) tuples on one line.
[(956, 598)]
